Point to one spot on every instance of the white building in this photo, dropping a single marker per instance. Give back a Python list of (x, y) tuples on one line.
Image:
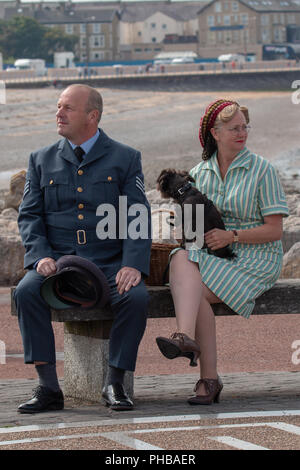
[(148, 29)]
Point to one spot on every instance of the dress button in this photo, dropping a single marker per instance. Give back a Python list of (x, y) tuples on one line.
[(80, 172), (51, 182), (80, 217), (79, 189), (80, 206)]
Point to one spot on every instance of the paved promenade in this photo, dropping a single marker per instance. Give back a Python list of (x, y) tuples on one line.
[(258, 411), (259, 408), (163, 395)]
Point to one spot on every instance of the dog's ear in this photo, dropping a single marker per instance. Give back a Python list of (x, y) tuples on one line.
[(163, 181), (164, 172), (191, 179), (161, 175), (186, 176)]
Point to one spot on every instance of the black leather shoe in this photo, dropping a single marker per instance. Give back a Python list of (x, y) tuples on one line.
[(116, 398), (43, 399)]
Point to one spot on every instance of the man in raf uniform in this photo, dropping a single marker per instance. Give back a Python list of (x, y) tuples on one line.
[(65, 184)]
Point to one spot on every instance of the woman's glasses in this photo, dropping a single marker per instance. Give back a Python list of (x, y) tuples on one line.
[(239, 129)]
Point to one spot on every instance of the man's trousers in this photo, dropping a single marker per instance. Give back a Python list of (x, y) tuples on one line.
[(130, 316)]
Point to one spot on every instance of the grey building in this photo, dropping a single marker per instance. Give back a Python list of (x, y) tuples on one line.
[(97, 29)]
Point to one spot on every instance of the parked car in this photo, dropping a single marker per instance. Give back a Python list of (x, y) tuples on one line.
[(183, 60), (37, 65), (162, 61), (239, 58)]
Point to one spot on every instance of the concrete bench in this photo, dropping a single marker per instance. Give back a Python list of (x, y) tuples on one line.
[(86, 333)]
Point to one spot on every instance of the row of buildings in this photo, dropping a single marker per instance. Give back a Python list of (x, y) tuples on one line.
[(120, 31)]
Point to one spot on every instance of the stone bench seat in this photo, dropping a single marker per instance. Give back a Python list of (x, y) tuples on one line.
[(86, 333)]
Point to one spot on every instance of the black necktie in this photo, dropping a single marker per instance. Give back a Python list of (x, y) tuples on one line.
[(79, 153)]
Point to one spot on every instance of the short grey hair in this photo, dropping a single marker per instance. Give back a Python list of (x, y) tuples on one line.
[(94, 100)]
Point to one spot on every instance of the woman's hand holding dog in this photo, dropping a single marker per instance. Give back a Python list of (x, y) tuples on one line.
[(217, 238)]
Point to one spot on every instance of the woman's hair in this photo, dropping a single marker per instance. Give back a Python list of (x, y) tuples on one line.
[(225, 115)]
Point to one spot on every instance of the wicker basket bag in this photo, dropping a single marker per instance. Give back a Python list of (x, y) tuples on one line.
[(159, 259), (159, 263)]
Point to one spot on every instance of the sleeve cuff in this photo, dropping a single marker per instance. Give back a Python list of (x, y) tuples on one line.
[(273, 210)]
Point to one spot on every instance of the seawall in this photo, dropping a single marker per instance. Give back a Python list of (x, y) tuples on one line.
[(268, 80)]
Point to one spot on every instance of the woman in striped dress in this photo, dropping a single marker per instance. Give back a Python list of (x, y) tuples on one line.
[(246, 190)]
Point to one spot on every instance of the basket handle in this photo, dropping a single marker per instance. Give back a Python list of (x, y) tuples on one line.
[(155, 211), (171, 219)]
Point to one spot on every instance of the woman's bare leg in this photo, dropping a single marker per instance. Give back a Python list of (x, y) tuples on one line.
[(206, 337), (185, 285), (194, 315)]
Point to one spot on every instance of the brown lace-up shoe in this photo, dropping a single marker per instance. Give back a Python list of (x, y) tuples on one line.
[(213, 388), (179, 345)]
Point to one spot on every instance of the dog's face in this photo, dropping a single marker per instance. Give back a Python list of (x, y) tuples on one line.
[(169, 180)]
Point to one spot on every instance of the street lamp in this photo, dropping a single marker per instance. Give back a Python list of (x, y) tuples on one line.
[(87, 48), (245, 36)]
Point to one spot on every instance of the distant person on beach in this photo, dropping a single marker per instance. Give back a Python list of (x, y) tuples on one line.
[(247, 191), (66, 183)]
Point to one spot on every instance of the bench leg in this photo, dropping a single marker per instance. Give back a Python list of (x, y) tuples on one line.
[(86, 360)]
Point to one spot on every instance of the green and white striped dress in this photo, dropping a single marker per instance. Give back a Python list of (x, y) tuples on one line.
[(250, 190)]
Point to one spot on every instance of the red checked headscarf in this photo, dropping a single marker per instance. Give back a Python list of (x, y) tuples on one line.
[(208, 119)]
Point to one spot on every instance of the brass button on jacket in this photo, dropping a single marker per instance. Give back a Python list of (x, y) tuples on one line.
[(80, 172), (80, 206), (79, 189), (80, 217)]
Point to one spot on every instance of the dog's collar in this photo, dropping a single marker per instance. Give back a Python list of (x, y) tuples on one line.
[(184, 188)]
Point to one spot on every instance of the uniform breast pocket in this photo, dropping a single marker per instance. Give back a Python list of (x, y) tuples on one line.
[(58, 192), (105, 189)]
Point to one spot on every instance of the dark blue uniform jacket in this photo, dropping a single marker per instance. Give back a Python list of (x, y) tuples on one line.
[(62, 205)]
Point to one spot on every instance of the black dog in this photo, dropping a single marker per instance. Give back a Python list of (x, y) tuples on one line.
[(177, 185)]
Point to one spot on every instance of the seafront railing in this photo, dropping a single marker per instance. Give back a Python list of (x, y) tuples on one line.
[(118, 70)]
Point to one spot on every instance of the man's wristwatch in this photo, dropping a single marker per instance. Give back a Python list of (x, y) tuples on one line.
[(235, 236)]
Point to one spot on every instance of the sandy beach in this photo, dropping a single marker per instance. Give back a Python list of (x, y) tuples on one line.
[(162, 125)]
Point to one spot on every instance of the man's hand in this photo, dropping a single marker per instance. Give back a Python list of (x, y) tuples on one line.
[(126, 278), (46, 267)]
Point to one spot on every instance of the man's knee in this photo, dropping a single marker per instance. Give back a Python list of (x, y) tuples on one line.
[(28, 286), (138, 296), (133, 306)]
